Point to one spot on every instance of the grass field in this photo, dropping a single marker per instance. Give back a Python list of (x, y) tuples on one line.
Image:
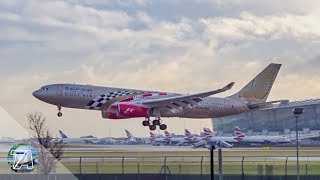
[(262, 152), (256, 161)]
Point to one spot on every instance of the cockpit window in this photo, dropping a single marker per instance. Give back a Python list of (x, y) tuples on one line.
[(45, 88)]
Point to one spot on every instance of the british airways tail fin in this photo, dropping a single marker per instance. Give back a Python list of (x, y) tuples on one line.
[(187, 133), (207, 131), (63, 136), (152, 136), (167, 134), (129, 135), (258, 89), (239, 137), (237, 130)]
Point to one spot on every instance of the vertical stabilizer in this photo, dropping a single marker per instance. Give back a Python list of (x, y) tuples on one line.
[(129, 135), (63, 136), (167, 134), (237, 130), (207, 131), (152, 137), (258, 89)]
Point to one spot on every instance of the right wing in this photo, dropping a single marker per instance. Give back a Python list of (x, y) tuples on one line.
[(183, 100)]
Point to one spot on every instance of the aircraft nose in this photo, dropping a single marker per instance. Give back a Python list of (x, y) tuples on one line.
[(36, 94)]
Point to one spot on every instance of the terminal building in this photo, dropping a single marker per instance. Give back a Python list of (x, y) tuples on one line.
[(278, 118)]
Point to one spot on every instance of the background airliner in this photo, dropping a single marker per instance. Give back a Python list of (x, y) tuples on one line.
[(131, 139), (118, 103), (157, 141), (272, 139)]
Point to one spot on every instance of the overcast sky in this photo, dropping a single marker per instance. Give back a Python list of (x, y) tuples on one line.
[(169, 45)]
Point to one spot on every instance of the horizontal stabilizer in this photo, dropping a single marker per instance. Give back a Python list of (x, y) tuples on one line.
[(264, 104)]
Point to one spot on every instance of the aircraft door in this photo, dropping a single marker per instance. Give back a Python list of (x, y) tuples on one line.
[(230, 106), (59, 90)]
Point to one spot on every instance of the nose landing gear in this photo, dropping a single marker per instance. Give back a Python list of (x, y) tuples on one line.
[(59, 113), (153, 124)]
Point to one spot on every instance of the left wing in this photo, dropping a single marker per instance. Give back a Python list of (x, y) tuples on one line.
[(181, 100)]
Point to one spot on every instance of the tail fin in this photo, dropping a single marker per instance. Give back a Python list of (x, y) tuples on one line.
[(237, 130), (167, 134), (187, 134), (239, 137), (152, 136), (207, 131), (63, 136), (207, 137), (129, 135), (258, 89)]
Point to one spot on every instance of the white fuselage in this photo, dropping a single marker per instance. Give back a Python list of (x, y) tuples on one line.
[(157, 141), (216, 139), (266, 139)]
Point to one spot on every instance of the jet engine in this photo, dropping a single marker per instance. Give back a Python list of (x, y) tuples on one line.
[(202, 143), (224, 144)]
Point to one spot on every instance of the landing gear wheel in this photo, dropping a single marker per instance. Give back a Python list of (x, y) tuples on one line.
[(145, 123), (156, 122), (163, 127), (152, 127), (59, 113)]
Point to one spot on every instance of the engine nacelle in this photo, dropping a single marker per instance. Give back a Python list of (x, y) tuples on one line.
[(224, 144), (124, 111), (202, 143)]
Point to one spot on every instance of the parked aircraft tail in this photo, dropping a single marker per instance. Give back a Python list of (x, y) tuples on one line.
[(207, 137), (207, 131), (167, 134), (152, 136), (239, 137), (258, 89), (237, 130), (63, 136), (187, 134), (129, 135)]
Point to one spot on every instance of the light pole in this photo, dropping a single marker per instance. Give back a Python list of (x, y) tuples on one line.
[(297, 112), (212, 148)]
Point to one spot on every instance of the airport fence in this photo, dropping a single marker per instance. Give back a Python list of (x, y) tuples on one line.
[(193, 165), (178, 168)]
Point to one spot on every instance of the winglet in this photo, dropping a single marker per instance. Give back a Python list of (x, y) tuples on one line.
[(228, 87)]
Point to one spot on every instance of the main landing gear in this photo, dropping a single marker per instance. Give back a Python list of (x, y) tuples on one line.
[(59, 113), (152, 125)]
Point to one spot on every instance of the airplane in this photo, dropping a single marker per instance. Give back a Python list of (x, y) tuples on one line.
[(208, 131), (177, 141), (119, 103), (191, 138), (221, 141), (131, 139), (101, 141), (157, 141), (228, 139), (262, 139), (67, 140)]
